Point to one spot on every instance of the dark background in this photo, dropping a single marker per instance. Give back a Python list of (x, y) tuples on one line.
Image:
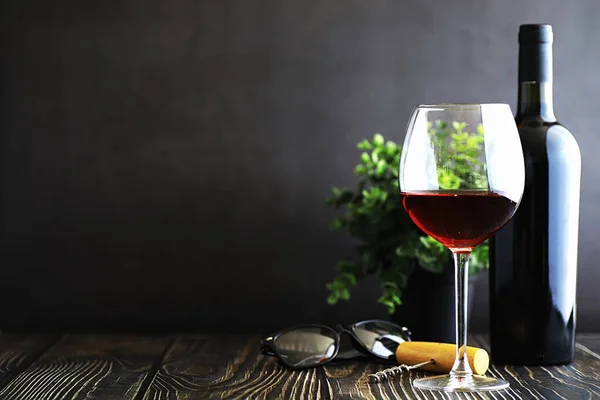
[(164, 164)]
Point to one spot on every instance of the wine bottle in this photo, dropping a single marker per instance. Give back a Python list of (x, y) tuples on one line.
[(533, 260)]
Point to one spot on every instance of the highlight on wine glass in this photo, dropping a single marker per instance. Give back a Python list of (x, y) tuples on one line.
[(461, 179)]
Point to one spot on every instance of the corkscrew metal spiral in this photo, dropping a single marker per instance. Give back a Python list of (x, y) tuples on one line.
[(397, 370)]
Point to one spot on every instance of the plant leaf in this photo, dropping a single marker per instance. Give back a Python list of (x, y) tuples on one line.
[(345, 294), (364, 145), (332, 299), (381, 167), (375, 155), (391, 147)]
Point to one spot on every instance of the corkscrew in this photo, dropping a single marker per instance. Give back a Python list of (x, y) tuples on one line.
[(397, 370), (432, 357)]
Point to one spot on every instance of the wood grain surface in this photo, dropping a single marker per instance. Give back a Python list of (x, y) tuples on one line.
[(590, 341), (17, 352), (90, 367), (231, 367)]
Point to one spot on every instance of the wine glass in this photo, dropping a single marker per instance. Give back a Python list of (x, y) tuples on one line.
[(461, 177)]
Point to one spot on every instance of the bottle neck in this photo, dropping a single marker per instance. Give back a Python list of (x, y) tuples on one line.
[(535, 81), (535, 101)]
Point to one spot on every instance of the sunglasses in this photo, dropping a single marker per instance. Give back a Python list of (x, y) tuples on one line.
[(308, 346)]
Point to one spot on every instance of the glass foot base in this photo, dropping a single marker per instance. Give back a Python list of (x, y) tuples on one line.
[(470, 383)]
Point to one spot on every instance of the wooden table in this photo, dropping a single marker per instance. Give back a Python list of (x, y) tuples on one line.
[(37, 367)]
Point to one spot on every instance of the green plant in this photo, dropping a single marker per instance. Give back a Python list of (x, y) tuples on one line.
[(390, 245)]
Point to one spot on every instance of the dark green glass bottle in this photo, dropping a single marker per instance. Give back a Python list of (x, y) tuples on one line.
[(533, 260)]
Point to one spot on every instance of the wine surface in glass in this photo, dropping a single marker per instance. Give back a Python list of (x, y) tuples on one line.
[(459, 219)]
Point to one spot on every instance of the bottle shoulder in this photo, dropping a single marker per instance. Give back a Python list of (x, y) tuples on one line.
[(547, 138), (560, 141)]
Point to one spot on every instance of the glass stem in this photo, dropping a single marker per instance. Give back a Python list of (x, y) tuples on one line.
[(461, 367)]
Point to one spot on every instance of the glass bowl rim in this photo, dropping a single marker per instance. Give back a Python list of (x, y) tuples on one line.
[(460, 106)]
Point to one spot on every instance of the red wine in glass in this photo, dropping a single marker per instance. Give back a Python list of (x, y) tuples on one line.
[(460, 219)]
